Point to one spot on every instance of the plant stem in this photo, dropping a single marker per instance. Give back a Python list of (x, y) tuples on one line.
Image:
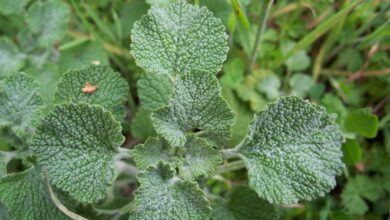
[(260, 32), (229, 153), (236, 165)]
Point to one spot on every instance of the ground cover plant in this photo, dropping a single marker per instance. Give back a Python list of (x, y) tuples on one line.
[(202, 109)]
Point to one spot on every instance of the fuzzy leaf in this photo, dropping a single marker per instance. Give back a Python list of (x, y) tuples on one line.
[(111, 89), (26, 197), (153, 151), (199, 158), (162, 195), (244, 204), (77, 143), (49, 20), (11, 60), (141, 125), (292, 152), (196, 106), (20, 104), (154, 91), (178, 39)]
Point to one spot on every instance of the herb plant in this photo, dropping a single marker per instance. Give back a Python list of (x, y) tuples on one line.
[(71, 147)]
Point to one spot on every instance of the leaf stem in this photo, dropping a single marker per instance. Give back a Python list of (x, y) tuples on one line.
[(236, 165), (264, 12), (229, 153)]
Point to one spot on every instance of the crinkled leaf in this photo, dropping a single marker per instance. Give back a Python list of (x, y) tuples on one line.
[(10, 7), (196, 106), (195, 158), (244, 204), (26, 196), (153, 151), (3, 212), (292, 152), (49, 20), (11, 60), (77, 143), (200, 158), (20, 104), (154, 91), (141, 125), (111, 92), (178, 39), (162, 195), (356, 190)]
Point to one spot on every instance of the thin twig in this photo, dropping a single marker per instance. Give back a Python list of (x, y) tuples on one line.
[(264, 12)]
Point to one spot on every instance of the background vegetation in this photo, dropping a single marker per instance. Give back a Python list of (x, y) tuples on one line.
[(335, 53)]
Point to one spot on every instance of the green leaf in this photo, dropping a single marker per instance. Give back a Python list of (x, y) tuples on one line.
[(49, 20), (178, 39), (292, 152), (111, 92), (200, 158), (141, 125), (195, 158), (3, 164), (12, 7), (244, 204), (76, 144), (154, 91), (233, 73), (26, 196), (362, 122), (352, 152), (82, 55), (357, 189), (20, 104), (154, 150), (11, 59), (196, 106), (301, 84), (162, 195), (159, 3), (270, 86), (3, 212)]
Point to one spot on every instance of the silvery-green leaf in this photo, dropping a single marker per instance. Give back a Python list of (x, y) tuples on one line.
[(49, 20), (11, 60), (292, 152), (111, 89), (3, 163), (141, 125), (20, 104), (77, 145), (196, 106), (26, 197), (12, 7), (162, 195), (179, 38)]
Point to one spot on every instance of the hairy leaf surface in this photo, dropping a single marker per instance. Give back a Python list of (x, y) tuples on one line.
[(3, 164), (162, 195), (11, 60), (195, 158), (292, 151), (26, 197), (244, 204), (154, 91), (111, 89), (178, 39), (196, 106), (77, 143), (20, 104)]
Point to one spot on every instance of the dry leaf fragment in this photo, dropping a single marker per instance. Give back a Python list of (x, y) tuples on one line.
[(88, 88)]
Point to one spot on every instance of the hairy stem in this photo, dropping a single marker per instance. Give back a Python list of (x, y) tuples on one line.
[(236, 165)]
